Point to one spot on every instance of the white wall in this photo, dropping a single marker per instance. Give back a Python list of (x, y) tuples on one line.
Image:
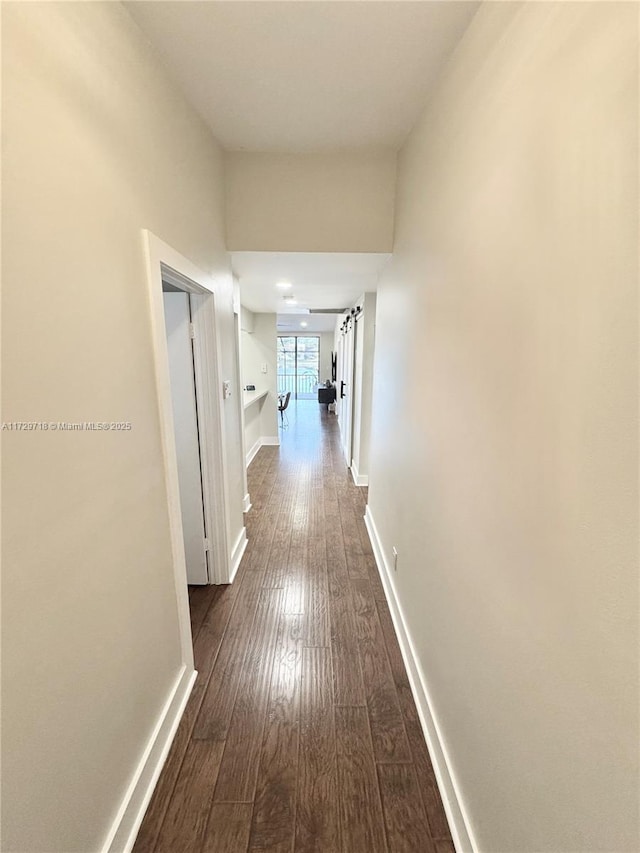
[(258, 347), (326, 348), (340, 202), (98, 144), (253, 429), (505, 430), (246, 319)]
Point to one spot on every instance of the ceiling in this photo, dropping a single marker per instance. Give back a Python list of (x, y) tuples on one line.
[(305, 76), (318, 280), (291, 324), (292, 76)]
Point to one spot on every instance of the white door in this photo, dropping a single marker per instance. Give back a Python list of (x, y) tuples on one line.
[(346, 392), (177, 317), (341, 399), (358, 359)]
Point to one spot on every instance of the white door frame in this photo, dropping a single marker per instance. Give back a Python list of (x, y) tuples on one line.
[(163, 261), (237, 334)]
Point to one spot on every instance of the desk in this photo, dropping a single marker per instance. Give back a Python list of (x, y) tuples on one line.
[(251, 397)]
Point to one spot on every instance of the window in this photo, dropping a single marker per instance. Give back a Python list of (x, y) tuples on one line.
[(298, 365)]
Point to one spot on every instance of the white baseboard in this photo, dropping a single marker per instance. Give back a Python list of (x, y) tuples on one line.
[(246, 503), (270, 439), (459, 824), (358, 479), (238, 550), (124, 829), (252, 452), (261, 442)]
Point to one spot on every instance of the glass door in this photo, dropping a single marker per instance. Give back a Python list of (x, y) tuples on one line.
[(298, 365), (286, 364)]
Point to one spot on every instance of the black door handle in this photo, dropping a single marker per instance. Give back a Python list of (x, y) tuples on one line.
[(342, 384)]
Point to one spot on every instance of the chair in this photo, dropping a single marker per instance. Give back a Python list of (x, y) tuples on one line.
[(283, 402)]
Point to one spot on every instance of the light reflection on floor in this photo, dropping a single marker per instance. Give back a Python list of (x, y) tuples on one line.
[(306, 445), (304, 436)]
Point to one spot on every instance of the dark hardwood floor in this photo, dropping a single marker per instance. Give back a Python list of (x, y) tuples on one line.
[(301, 733)]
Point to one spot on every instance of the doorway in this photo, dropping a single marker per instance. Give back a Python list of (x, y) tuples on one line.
[(179, 330), (169, 273), (358, 368)]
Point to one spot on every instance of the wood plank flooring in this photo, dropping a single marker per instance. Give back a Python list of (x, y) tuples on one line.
[(301, 733)]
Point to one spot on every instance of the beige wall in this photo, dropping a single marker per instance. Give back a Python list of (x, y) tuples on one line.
[(505, 435), (98, 144), (258, 347), (340, 202)]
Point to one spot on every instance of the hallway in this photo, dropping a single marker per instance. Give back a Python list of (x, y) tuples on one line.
[(301, 732)]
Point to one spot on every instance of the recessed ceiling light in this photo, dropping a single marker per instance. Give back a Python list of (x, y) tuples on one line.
[(290, 299), (283, 285), (304, 324)]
